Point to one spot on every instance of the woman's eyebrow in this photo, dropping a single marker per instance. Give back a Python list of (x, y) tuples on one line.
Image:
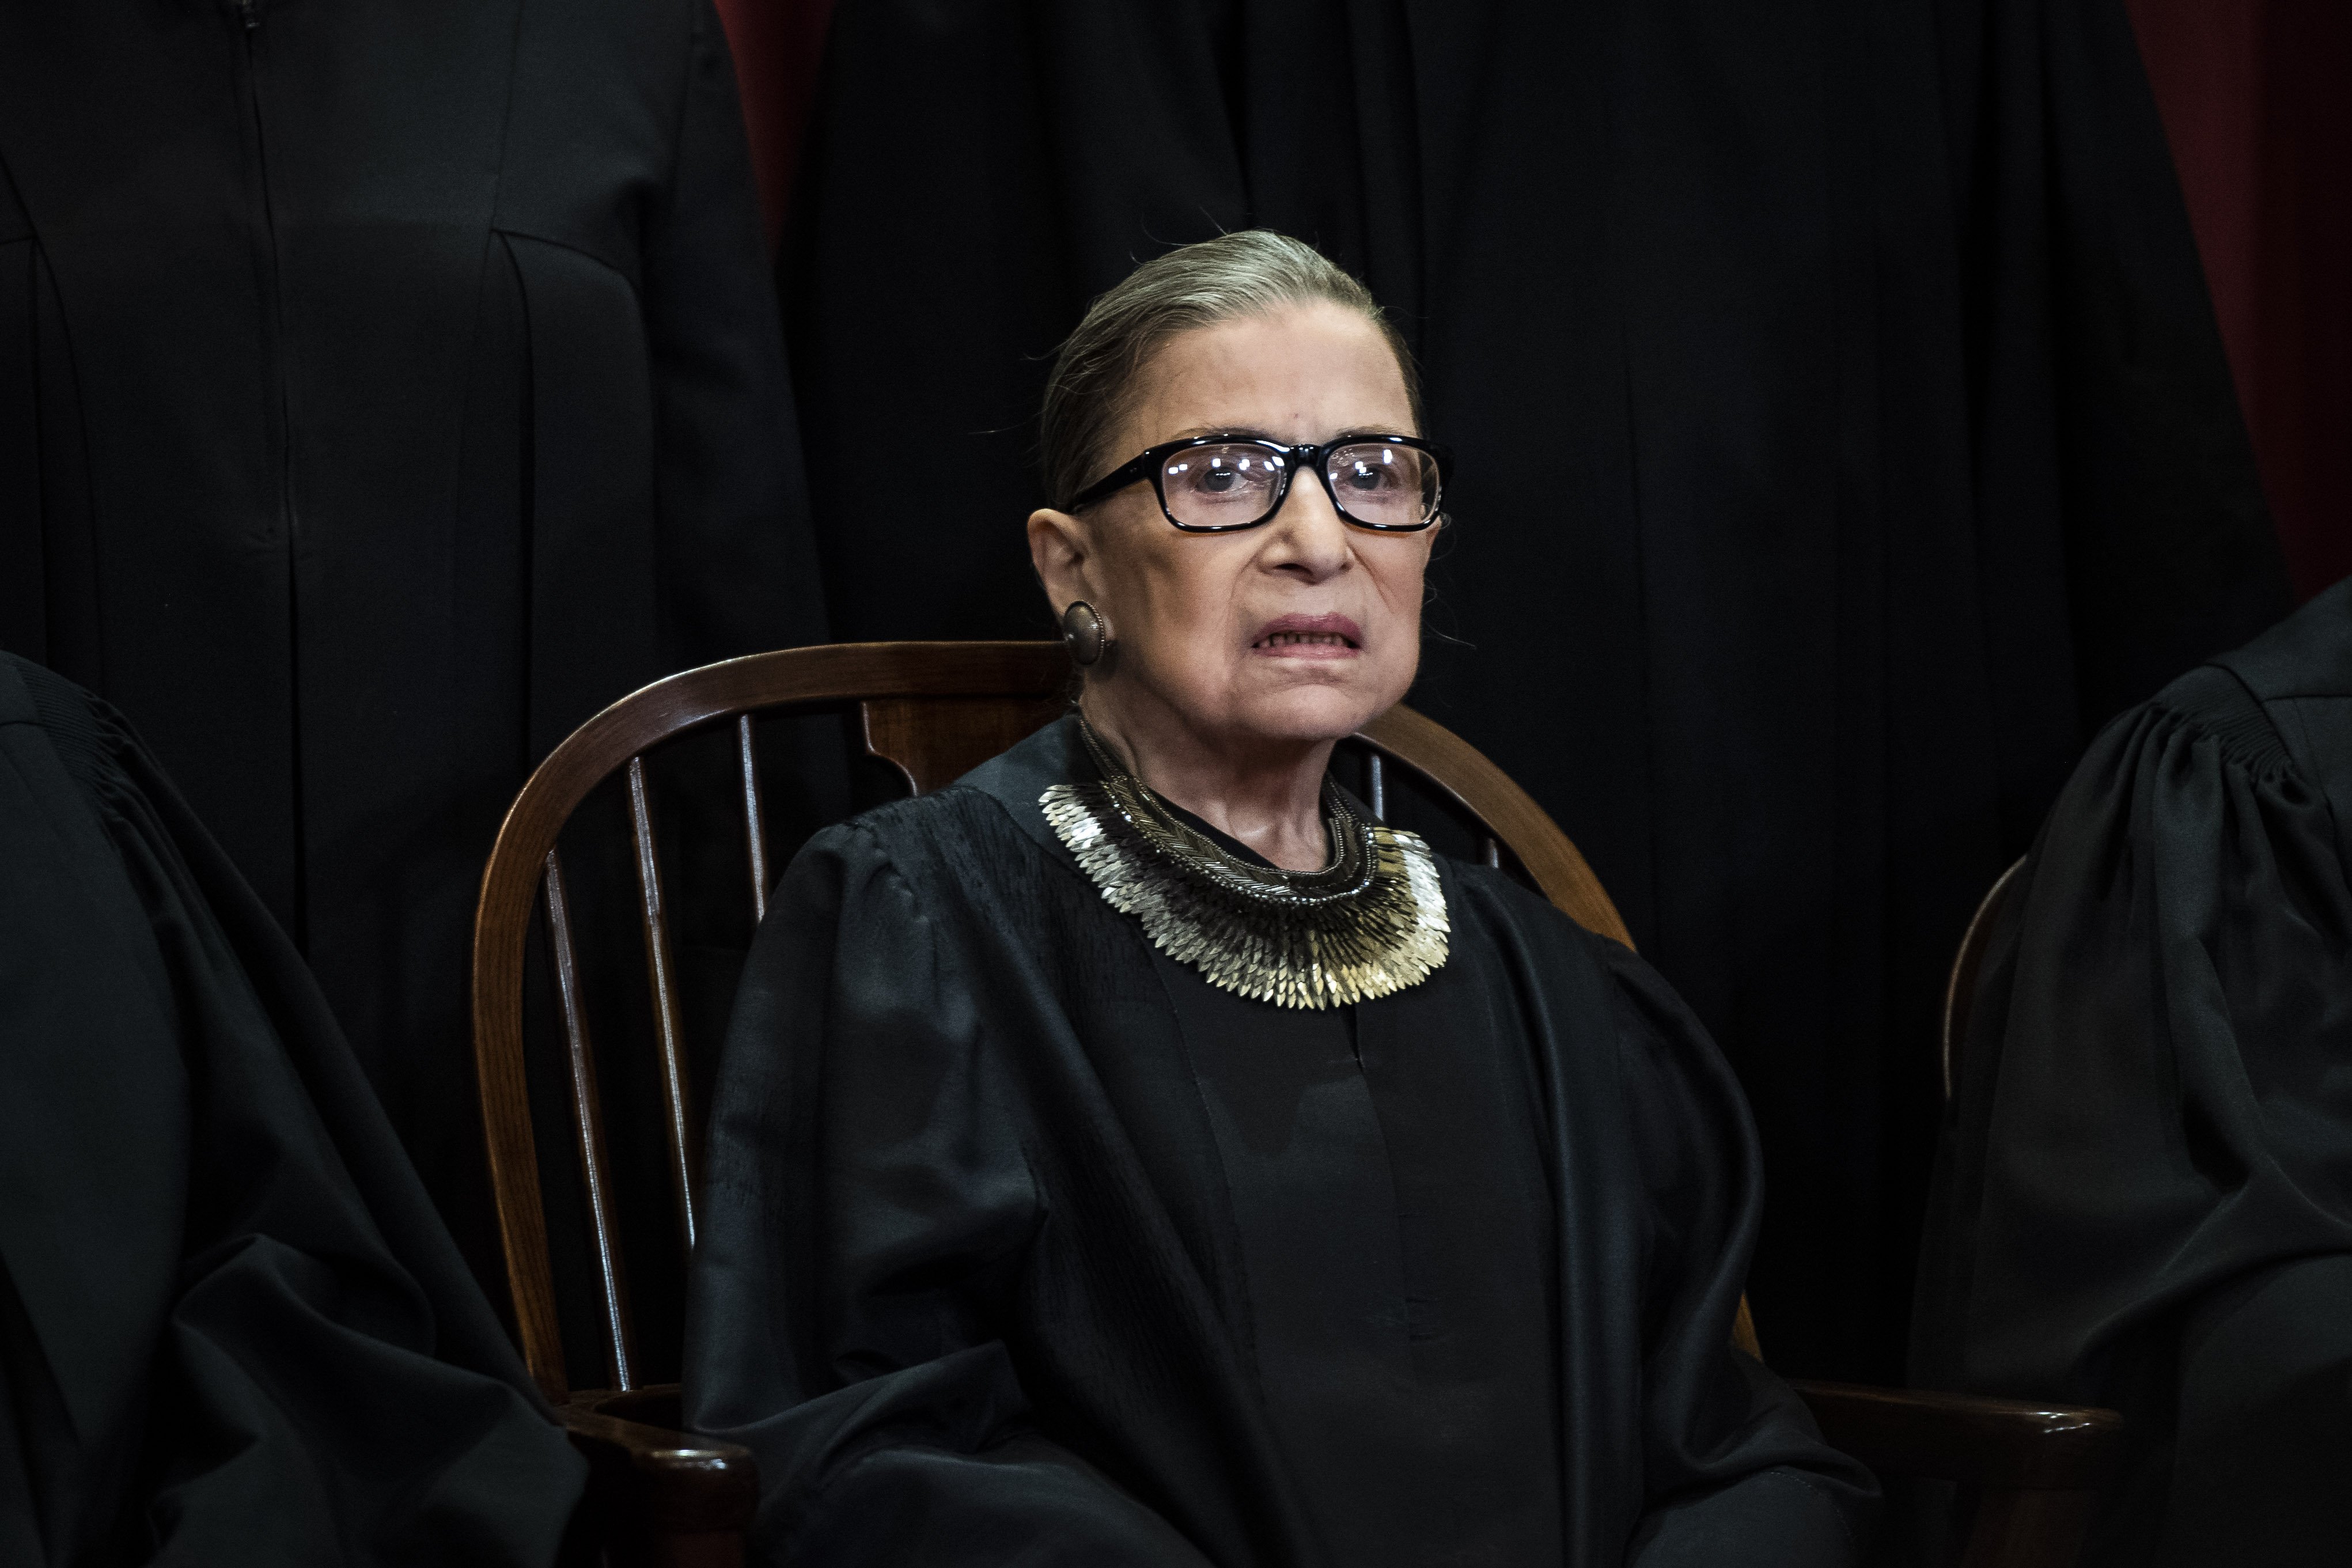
[(1252, 431), (1354, 433)]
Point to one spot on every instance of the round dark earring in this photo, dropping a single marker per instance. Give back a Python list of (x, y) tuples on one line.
[(1085, 632)]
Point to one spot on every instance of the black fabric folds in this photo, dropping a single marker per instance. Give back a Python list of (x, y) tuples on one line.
[(1843, 434), (2145, 1196), (232, 1328), (383, 389), (1396, 1298), (976, 1278)]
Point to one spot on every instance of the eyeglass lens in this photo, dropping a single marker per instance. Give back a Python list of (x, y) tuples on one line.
[(1377, 483)]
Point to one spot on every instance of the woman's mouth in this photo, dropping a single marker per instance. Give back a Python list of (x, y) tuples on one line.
[(1309, 637)]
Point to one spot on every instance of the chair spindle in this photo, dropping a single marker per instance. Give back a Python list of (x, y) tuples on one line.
[(588, 1121), (755, 825), (677, 1115)]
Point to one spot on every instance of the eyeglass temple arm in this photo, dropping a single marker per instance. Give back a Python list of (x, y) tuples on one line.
[(1118, 478)]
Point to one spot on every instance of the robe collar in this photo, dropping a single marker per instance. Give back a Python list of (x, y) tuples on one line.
[(1015, 779)]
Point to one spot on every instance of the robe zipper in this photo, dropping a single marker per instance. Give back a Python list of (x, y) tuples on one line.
[(249, 15)]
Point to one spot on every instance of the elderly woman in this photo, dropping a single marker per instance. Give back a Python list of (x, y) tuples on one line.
[(1137, 1153)]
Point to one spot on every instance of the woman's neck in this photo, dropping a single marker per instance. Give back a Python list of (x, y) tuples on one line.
[(1266, 793)]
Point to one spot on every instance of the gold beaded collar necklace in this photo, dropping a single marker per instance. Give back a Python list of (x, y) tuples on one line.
[(1371, 923)]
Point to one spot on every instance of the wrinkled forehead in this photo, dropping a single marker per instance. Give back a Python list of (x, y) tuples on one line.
[(1305, 374)]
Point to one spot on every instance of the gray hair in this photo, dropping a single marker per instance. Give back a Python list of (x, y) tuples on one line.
[(1254, 272)]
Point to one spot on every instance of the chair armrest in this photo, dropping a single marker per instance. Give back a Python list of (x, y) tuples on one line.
[(1961, 1438), (660, 1480)]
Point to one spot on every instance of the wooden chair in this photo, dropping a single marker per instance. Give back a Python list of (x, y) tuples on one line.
[(934, 711)]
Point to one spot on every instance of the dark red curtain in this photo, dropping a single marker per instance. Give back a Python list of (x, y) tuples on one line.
[(2257, 97), (2255, 100), (778, 44)]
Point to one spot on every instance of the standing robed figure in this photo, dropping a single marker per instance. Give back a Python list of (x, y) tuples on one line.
[(383, 389)]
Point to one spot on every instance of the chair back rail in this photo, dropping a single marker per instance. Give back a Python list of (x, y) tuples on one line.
[(933, 711), (1960, 989)]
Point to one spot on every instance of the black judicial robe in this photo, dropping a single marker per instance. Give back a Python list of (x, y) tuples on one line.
[(1023, 1243), (385, 385), (1843, 434), (232, 1329), (2144, 1199)]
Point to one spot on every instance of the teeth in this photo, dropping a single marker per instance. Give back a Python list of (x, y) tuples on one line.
[(1285, 639)]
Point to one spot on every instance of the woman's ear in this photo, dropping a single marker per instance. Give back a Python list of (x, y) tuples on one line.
[(1061, 553)]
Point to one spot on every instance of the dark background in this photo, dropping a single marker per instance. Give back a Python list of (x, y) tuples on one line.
[(2259, 122)]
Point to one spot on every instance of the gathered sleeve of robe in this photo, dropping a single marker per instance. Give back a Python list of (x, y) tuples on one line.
[(937, 1295), (869, 1202), (2144, 1199), (233, 1329)]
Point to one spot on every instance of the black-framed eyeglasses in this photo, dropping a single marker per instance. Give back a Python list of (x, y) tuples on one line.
[(1221, 484)]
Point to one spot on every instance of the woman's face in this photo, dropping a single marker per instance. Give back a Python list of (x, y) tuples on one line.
[(1300, 630)]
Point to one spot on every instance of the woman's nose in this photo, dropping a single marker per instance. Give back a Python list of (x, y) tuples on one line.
[(1311, 537)]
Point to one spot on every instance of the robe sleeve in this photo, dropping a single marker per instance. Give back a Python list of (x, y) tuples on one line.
[(232, 1327), (1734, 1466), (868, 1204), (2144, 1199), (737, 558)]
